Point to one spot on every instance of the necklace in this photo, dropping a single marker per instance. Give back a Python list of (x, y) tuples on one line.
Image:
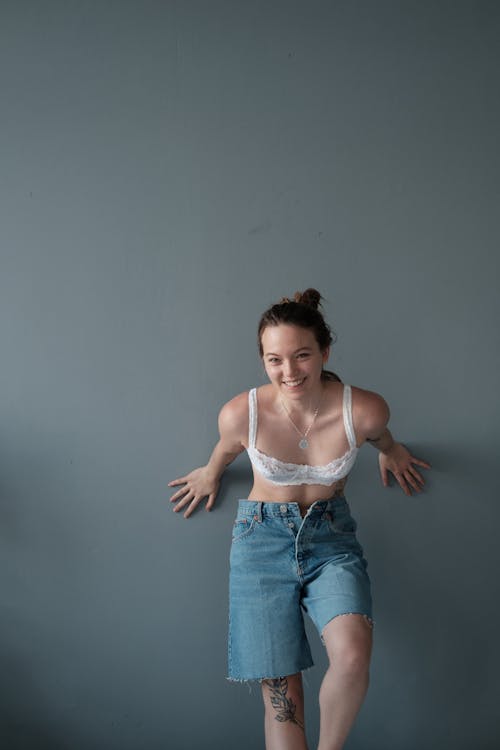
[(303, 442)]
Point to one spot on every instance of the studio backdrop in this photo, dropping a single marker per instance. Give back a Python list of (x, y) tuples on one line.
[(170, 169)]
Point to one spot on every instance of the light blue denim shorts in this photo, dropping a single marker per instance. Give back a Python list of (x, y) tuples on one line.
[(282, 565)]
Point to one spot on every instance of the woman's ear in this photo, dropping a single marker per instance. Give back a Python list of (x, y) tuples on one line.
[(326, 354)]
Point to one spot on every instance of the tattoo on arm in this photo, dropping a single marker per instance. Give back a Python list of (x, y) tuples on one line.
[(285, 707)]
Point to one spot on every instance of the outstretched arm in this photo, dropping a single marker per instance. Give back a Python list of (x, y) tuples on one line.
[(394, 457), (204, 481)]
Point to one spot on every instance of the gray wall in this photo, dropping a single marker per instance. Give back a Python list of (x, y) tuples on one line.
[(167, 171)]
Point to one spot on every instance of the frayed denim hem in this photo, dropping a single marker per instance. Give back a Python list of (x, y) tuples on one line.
[(260, 680), (369, 621)]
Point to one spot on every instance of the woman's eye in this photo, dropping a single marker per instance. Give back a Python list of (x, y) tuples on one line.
[(303, 355), (273, 360)]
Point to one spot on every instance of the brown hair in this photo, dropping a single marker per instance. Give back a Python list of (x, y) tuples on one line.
[(300, 311)]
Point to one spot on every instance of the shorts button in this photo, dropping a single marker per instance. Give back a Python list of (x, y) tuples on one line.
[(283, 508)]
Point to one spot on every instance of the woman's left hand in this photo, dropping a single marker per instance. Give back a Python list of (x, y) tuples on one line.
[(399, 461)]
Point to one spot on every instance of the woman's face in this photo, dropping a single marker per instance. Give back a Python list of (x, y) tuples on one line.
[(292, 359)]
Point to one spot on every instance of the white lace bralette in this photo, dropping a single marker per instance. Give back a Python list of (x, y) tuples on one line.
[(282, 472)]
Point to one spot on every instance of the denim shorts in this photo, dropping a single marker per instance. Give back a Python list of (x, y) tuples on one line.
[(282, 565)]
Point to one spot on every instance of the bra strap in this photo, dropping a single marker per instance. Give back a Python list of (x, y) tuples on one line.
[(252, 417), (347, 412)]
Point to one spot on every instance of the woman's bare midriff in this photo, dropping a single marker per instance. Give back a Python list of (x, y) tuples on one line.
[(303, 494)]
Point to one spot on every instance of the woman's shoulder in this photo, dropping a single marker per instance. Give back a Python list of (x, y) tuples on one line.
[(370, 410), (233, 415), (365, 397)]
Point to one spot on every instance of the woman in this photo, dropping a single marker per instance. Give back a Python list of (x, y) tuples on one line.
[(294, 545)]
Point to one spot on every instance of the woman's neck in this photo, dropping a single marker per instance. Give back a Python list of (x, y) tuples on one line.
[(305, 405)]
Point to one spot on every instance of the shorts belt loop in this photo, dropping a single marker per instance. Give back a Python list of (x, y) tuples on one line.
[(258, 511)]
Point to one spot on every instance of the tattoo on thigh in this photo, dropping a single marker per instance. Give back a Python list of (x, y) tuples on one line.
[(285, 707)]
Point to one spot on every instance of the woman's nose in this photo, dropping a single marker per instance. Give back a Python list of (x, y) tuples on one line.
[(289, 369)]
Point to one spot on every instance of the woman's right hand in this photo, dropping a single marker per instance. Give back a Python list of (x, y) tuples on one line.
[(197, 485)]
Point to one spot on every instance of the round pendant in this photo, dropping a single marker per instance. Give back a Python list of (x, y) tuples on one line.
[(303, 444)]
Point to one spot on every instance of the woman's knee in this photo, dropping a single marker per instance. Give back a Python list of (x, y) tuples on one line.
[(348, 641), (353, 662)]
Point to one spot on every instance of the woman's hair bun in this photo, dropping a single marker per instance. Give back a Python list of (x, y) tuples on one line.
[(311, 298)]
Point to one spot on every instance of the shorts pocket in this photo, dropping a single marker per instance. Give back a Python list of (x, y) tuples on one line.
[(243, 527)]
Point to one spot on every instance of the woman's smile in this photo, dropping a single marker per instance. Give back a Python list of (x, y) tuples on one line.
[(294, 384)]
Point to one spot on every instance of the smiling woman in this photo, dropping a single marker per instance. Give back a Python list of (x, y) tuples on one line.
[(294, 548), (306, 316)]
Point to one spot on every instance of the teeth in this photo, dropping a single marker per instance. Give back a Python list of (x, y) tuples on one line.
[(293, 382)]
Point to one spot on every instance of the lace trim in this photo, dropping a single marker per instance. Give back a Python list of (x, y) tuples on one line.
[(282, 472)]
